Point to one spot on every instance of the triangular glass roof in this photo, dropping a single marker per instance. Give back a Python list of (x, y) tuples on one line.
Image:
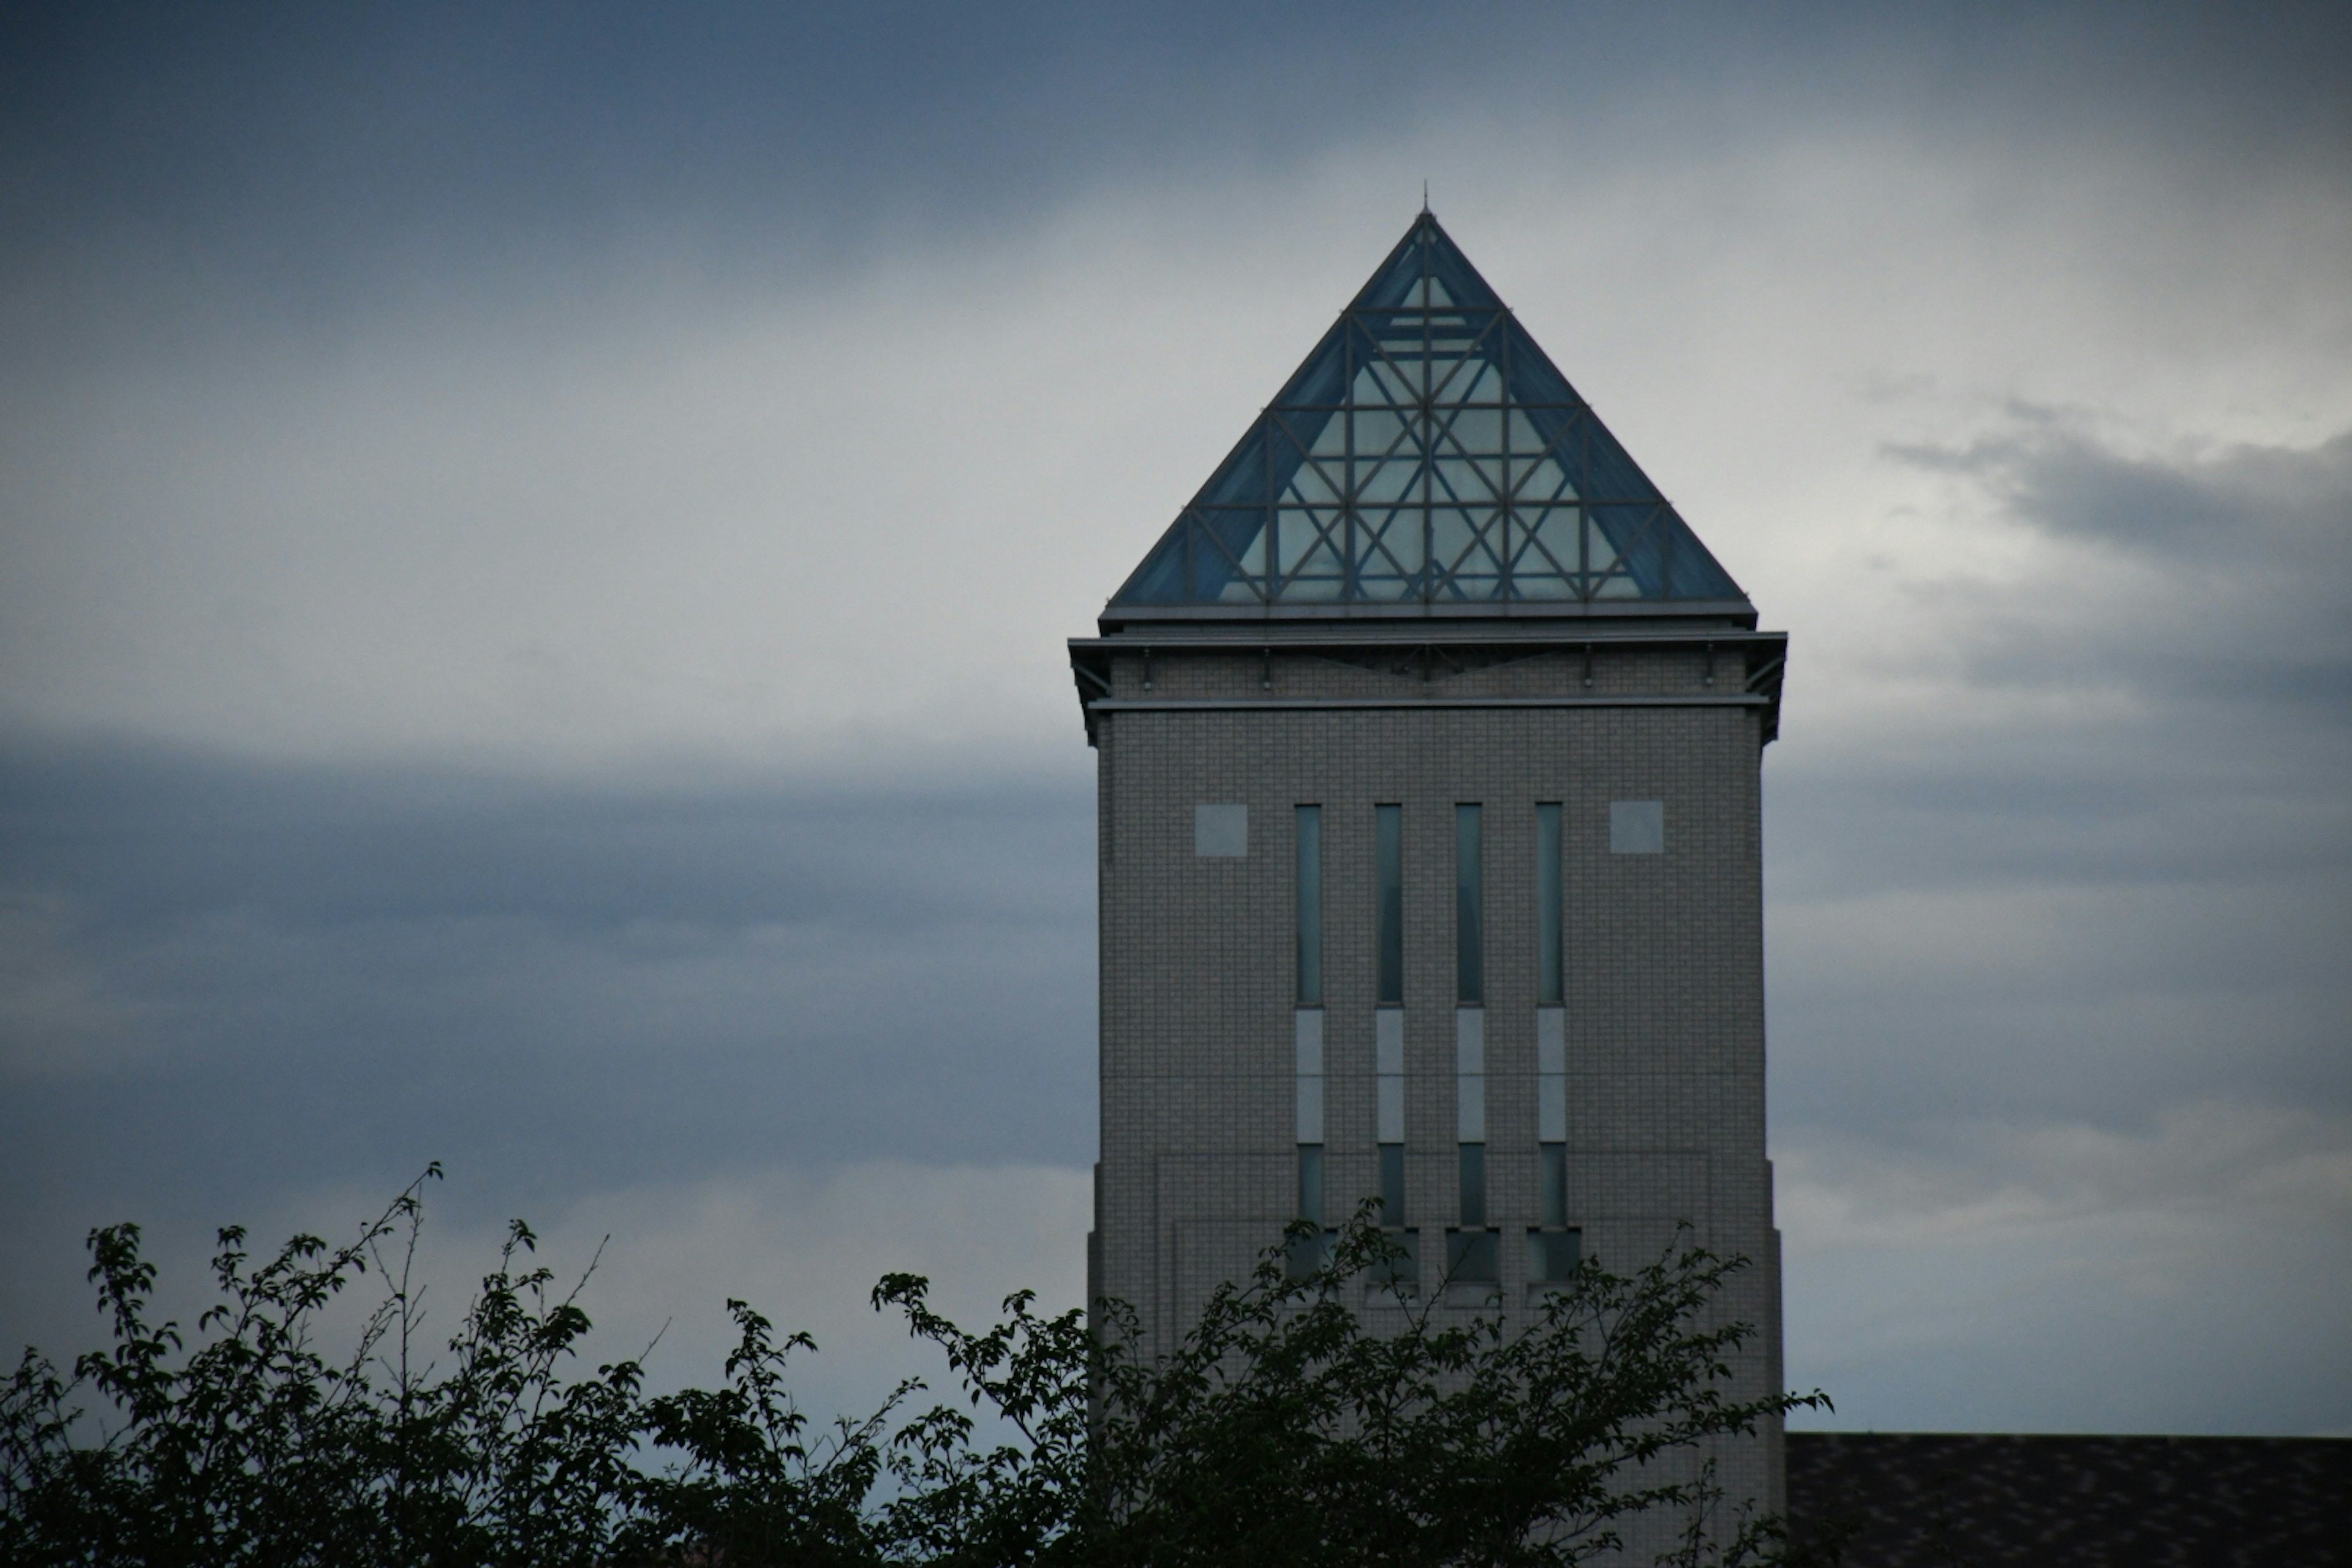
[(1427, 452)]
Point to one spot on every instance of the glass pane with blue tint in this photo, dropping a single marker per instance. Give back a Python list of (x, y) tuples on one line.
[(1550, 946), (1309, 822), (1380, 483), (1469, 906), (1476, 432), (1470, 1256), (1473, 1184), (1552, 1256), (1402, 1266), (1388, 853), (1410, 402)]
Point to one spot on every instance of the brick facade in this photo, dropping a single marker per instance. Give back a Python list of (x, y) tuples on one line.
[(1663, 970)]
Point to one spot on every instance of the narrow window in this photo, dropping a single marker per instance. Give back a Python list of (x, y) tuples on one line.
[(1549, 987), (1471, 1250), (1308, 1029), (1310, 906), (1551, 1074), (1553, 1244), (1388, 832), (1469, 935), (1553, 1255), (1401, 1266), (1387, 1066), (1474, 1186), (1310, 1252), (1552, 1183), (1470, 1074)]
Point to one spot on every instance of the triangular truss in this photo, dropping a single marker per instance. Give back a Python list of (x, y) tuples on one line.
[(1427, 452)]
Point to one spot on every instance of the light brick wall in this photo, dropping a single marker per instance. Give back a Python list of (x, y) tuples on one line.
[(1663, 970)]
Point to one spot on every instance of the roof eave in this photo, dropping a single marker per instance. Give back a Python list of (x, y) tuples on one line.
[(1116, 617)]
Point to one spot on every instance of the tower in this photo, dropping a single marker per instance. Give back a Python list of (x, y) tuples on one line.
[(1429, 743)]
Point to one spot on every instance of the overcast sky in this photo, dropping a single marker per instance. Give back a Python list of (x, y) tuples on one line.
[(535, 546)]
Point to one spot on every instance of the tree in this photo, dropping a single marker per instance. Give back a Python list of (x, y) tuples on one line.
[(1283, 1428)]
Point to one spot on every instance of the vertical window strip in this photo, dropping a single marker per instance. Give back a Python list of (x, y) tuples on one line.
[(1551, 1074), (1387, 833), (1402, 1265), (1310, 1253), (1311, 905), (1474, 1186), (1311, 1183), (1553, 1245), (1549, 937), (1387, 1082), (1392, 1213), (1308, 1052), (1470, 1074), (1552, 1184), (1470, 1250), (1388, 1068), (1469, 898)]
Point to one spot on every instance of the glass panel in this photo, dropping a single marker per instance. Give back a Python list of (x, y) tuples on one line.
[(1479, 381), (1389, 548), (1477, 430), (1551, 1184), (1391, 409), (1458, 478), (1473, 1184), (1469, 900), (1310, 1102), (1470, 1256), (1549, 954), (1311, 1183), (1543, 553), (1392, 481), (1312, 485), (1311, 905), (1388, 835), (1404, 1268), (1392, 1192), (1552, 1256), (1542, 481), (1222, 545), (1470, 1042)]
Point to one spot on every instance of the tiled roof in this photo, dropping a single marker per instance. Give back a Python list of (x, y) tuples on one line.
[(1944, 1500)]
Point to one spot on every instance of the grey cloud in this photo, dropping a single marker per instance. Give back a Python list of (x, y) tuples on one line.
[(2217, 589), (2245, 507), (262, 974), (152, 835), (2016, 1277), (319, 154), (2105, 872)]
